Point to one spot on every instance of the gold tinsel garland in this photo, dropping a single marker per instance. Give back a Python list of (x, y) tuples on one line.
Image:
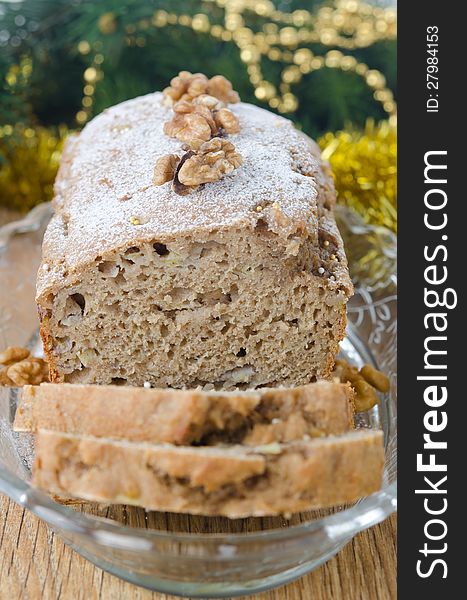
[(29, 159), (363, 163)]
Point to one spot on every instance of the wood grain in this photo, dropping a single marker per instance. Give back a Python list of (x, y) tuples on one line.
[(36, 565)]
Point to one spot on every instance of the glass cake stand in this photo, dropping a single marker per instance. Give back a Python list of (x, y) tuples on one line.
[(206, 556)]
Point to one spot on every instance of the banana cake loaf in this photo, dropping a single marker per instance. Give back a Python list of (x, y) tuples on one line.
[(241, 283)]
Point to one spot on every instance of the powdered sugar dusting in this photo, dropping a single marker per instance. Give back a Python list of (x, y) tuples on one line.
[(105, 186)]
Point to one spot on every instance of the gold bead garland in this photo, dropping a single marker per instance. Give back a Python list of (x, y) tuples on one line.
[(348, 25), (107, 23), (91, 76)]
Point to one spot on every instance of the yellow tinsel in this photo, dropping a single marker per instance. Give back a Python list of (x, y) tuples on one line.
[(364, 165), (29, 159)]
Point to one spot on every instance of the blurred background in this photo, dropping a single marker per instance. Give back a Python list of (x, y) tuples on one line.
[(328, 65)]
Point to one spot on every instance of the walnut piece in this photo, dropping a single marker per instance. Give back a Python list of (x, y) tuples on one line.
[(198, 85), (165, 168), (177, 186), (20, 368), (188, 127), (179, 85), (4, 379), (375, 378), (187, 86), (365, 396), (226, 120), (184, 107), (13, 354), (210, 163), (220, 87), (30, 371), (364, 383), (211, 102), (192, 119), (200, 117)]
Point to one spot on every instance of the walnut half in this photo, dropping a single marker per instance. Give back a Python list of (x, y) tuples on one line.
[(20, 368), (30, 371), (197, 121), (364, 381), (187, 86), (13, 354), (165, 168), (188, 127), (226, 120), (210, 163)]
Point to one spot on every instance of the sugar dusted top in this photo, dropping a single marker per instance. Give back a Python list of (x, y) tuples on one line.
[(106, 200)]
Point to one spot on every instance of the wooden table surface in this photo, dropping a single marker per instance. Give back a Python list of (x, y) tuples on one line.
[(36, 565)]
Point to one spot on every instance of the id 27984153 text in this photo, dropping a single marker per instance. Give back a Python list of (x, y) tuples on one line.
[(432, 68)]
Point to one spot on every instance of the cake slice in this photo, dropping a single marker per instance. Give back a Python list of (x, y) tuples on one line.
[(233, 481), (184, 417), (242, 282)]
